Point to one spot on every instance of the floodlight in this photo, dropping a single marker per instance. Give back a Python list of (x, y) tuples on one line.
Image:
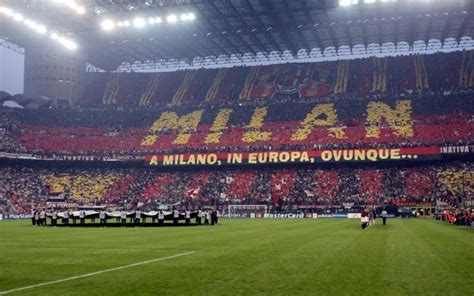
[(18, 17), (70, 45), (158, 20), (139, 22), (347, 2), (369, 1), (80, 10), (107, 25), (172, 18), (73, 5), (151, 21), (126, 24), (184, 17), (40, 29), (7, 11), (191, 17)]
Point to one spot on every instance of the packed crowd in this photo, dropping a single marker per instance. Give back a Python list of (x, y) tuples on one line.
[(22, 188), (439, 73), (460, 216)]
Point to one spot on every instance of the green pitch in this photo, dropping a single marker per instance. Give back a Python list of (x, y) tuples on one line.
[(241, 257)]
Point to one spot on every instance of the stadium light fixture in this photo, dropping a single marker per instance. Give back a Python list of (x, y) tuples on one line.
[(348, 2), (139, 22), (108, 25), (369, 1), (6, 11), (172, 18), (41, 29), (70, 45), (79, 9), (18, 17), (37, 27)]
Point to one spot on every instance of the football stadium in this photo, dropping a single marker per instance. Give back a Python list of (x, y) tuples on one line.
[(236, 147)]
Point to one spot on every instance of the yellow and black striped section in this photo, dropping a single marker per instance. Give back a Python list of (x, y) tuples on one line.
[(342, 77), (248, 85), (151, 88), (183, 88), (466, 73), (379, 83), (457, 181), (421, 74), (83, 186), (111, 89), (212, 92)]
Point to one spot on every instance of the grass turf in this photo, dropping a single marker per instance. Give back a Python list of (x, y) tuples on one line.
[(241, 257)]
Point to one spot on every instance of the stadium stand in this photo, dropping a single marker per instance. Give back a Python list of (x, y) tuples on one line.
[(23, 187), (409, 101), (437, 73), (366, 103)]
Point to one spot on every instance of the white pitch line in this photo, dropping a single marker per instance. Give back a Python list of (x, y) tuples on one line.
[(95, 273)]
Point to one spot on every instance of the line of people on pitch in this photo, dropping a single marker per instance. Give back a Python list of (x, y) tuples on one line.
[(209, 217), (38, 217)]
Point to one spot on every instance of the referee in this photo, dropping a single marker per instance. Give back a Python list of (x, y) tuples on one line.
[(384, 216)]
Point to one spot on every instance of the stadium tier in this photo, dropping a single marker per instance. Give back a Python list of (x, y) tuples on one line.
[(412, 121), (368, 109), (437, 73), (282, 189)]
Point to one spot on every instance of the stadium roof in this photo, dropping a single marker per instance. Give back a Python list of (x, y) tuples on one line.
[(226, 29)]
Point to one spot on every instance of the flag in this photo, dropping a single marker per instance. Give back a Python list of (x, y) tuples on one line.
[(193, 192)]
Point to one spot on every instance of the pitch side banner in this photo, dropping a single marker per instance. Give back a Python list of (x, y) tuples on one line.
[(306, 156), (284, 216)]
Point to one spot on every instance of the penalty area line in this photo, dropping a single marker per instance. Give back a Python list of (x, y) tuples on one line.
[(96, 272)]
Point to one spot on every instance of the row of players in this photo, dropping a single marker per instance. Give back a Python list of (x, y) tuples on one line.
[(40, 216)]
